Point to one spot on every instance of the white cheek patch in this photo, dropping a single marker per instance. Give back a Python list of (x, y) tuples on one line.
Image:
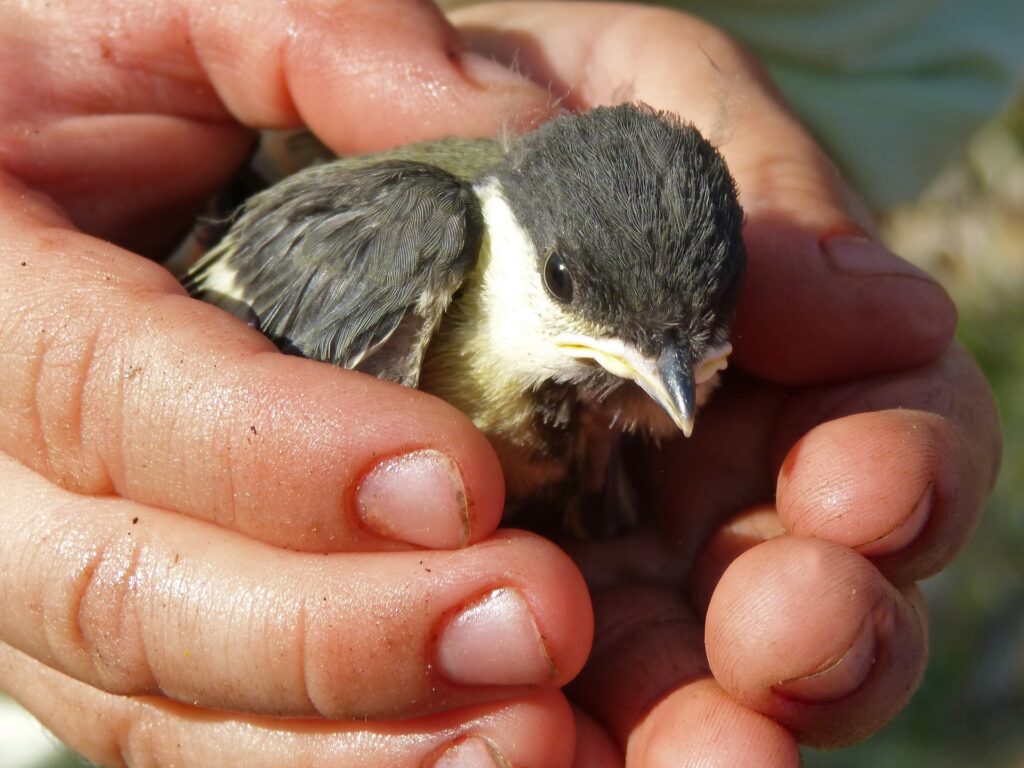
[(522, 318)]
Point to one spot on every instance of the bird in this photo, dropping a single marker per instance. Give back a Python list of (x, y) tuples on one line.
[(563, 288)]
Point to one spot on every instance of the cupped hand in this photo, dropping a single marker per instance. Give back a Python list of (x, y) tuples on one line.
[(203, 535), (182, 639), (770, 598)]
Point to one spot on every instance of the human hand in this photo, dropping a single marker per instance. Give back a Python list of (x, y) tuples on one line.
[(276, 514), (854, 438), (184, 558)]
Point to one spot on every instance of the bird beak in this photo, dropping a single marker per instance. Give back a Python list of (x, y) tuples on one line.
[(675, 369), (671, 379)]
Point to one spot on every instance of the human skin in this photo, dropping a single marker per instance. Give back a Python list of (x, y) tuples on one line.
[(184, 556)]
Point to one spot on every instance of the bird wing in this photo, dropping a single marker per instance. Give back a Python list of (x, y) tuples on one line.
[(351, 264)]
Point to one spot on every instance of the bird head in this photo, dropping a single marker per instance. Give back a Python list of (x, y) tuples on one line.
[(625, 229)]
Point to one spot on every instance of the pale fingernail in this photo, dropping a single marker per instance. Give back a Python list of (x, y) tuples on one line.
[(485, 71), (862, 256), (905, 532), (471, 753), (418, 498), (838, 678), (494, 641)]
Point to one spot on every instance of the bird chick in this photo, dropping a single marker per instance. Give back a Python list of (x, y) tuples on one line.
[(570, 285)]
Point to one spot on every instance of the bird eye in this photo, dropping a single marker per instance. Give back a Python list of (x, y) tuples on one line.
[(557, 279)]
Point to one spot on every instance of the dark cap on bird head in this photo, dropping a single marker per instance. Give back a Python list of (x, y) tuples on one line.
[(635, 219)]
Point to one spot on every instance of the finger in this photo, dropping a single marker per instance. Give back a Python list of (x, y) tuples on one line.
[(397, 67), (695, 484), (700, 724), (738, 534), (117, 730), (810, 634), (116, 382), (822, 299), (138, 600), (647, 682), (899, 469), (138, 96), (594, 748), (895, 466)]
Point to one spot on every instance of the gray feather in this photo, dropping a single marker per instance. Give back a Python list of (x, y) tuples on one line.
[(354, 265)]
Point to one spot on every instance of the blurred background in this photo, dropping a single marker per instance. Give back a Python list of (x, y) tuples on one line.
[(968, 230)]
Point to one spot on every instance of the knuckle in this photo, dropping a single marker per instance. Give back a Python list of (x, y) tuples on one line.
[(103, 620), (57, 367)]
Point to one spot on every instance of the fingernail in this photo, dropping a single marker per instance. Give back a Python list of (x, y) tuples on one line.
[(494, 641), (486, 72), (928, 311), (863, 257), (471, 753), (838, 678), (905, 532), (417, 498)]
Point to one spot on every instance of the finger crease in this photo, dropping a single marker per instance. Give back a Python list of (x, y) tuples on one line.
[(76, 420), (232, 499), (35, 412), (118, 410), (148, 675), (304, 662), (82, 590)]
